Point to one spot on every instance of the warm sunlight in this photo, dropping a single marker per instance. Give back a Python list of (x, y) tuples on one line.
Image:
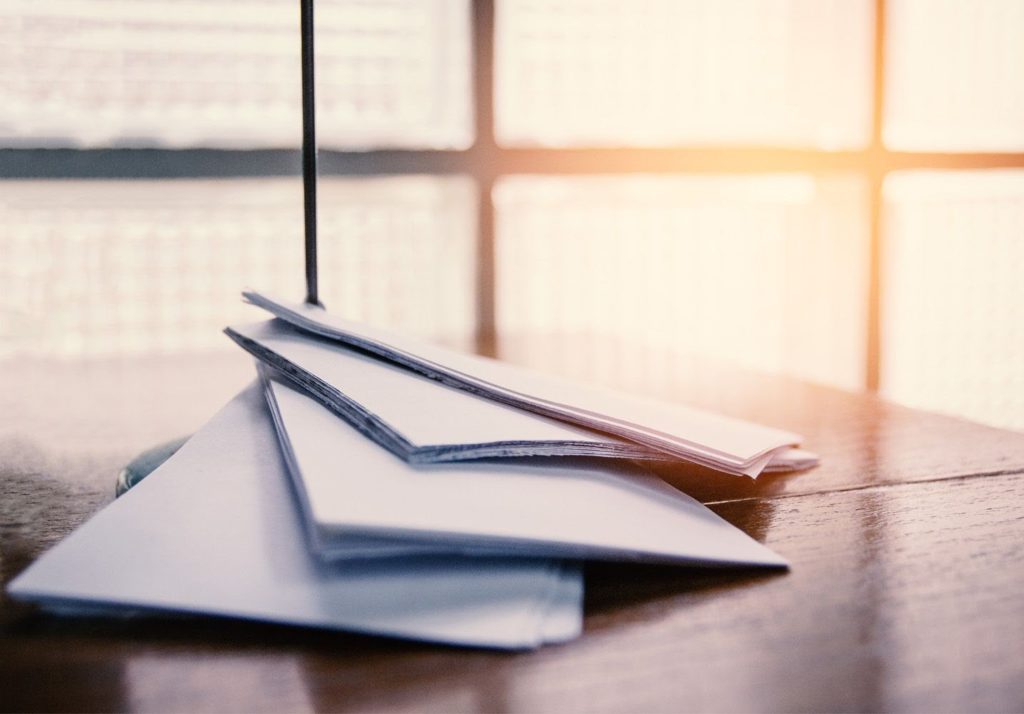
[(763, 258), (583, 73)]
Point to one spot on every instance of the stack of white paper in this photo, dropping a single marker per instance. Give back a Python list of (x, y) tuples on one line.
[(729, 445), (466, 528), (424, 421), (215, 530), (359, 499)]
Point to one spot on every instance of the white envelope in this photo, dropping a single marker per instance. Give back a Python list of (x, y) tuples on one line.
[(358, 497), (216, 530), (424, 421), (731, 445)]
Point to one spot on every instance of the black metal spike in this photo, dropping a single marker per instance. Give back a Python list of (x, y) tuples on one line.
[(309, 172)]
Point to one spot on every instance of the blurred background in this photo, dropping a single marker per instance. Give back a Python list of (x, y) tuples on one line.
[(827, 189)]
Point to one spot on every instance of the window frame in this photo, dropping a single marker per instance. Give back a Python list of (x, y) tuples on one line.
[(486, 161)]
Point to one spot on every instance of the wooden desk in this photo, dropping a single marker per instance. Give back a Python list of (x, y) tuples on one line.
[(906, 592)]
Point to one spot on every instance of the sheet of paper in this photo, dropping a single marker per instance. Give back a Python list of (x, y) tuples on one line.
[(425, 421), (555, 507), (420, 419), (216, 530), (731, 445)]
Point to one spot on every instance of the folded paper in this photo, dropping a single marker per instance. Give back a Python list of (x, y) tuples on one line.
[(723, 443), (423, 421), (216, 530), (353, 491)]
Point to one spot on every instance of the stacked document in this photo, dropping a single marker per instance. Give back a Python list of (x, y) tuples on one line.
[(728, 445), (422, 420), (359, 500), (215, 530), (369, 483)]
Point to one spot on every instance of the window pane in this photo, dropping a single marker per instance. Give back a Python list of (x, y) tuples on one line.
[(226, 74), (124, 267), (953, 309), (767, 271), (955, 75), (606, 72)]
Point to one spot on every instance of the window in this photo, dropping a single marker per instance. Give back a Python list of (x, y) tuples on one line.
[(824, 188)]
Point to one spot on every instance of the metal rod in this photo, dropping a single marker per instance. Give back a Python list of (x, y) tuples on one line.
[(309, 150)]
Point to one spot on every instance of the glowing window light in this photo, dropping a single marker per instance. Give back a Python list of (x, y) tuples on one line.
[(225, 74), (769, 272), (955, 79), (662, 72), (128, 267), (953, 334)]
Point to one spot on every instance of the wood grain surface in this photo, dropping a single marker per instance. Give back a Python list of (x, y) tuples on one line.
[(906, 591)]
